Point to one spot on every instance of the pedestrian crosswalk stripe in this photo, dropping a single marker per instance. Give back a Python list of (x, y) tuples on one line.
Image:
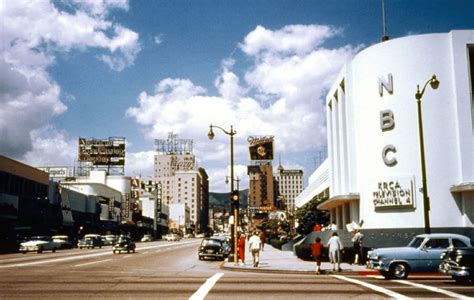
[(206, 287)]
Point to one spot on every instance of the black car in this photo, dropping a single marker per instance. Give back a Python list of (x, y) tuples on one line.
[(90, 242), (124, 243), (459, 263), (213, 248)]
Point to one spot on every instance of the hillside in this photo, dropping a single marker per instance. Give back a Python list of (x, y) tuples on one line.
[(222, 200)]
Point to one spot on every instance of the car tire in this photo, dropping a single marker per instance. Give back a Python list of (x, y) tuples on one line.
[(113, 251), (399, 271), (461, 280), (200, 258), (40, 250), (54, 250)]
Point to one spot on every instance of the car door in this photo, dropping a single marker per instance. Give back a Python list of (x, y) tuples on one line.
[(431, 253)]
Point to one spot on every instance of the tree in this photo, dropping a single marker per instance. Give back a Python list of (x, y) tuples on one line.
[(308, 215)]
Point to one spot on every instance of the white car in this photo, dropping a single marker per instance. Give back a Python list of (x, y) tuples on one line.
[(147, 238), (39, 244), (171, 237)]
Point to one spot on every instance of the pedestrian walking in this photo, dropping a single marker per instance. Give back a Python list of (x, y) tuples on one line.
[(316, 250), (335, 248), (357, 246), (254, 248), (241, 249), (262, 240)]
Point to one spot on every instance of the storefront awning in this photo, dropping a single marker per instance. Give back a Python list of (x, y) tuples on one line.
[(463, 187), (338, 201)]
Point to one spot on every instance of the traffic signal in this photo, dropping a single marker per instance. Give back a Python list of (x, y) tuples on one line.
[(234, 197)]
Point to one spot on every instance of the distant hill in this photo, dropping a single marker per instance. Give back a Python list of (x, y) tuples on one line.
[(222, 200)]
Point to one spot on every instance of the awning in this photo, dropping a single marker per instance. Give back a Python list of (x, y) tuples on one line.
[(462, 187), (338, 201)]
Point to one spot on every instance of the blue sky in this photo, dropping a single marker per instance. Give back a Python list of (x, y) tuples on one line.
[(141, 69)]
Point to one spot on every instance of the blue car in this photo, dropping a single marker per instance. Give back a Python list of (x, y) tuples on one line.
[(422, 255)]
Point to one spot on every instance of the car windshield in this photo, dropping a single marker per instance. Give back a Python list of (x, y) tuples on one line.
[(211, 243), (416, 242), (40, 238)]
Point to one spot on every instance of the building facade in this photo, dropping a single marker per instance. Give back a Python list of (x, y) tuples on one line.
[(374, 157), (289, 186), (261, 187), (182, 181)]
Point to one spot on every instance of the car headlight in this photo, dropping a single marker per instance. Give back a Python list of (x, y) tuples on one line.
[(458, 258), (443, 255)]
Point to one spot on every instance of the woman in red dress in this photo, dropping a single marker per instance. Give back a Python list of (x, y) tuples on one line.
[(241, 248)]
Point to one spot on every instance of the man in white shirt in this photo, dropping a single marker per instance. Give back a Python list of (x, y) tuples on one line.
[(335, 248), (254, 248)]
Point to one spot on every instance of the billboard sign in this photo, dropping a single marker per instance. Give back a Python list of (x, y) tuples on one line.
[(261, 148), (100, 152)]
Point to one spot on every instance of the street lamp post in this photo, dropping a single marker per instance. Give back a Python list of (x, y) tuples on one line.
[(434, 82), (236, 180), (235, 207)]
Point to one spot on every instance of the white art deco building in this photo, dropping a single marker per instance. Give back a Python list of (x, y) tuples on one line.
[(374, 155)]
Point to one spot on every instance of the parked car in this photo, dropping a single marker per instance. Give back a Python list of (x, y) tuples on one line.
[(147, 238), (171, 237), (459, 263), (124, 243), (213, 248), (63, 241), (422, 255), (39, 244), (90, 242)]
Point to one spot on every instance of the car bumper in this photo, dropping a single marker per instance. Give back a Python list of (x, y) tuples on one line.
[(29, 248), (376, 265), (215, 255), (453, 269)]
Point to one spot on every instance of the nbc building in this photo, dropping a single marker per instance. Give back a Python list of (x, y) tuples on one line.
[(374, 169)]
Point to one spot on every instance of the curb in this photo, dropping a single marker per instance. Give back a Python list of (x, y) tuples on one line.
[(301, 272)]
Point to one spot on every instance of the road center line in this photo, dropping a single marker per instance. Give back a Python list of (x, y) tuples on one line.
[(93, 262), (373, 287), (206, 287), (434, 289)]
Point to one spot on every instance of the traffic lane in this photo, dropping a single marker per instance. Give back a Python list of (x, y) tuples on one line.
[(166, 272), (18, 259), (421, 286), (245, 285)]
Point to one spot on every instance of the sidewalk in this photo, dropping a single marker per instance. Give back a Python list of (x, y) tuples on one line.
[(276, 261)]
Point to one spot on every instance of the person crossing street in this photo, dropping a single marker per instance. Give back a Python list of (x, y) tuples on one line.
[(254, 248)]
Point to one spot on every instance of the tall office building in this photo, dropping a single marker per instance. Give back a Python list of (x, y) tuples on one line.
[(261, 191), (289, 186), (176, 169)]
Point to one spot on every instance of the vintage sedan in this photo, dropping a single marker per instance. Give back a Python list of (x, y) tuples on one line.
[(147, 238), (213, 248), (124, 243), (39, 244), (422, 255), (90, 242), (170, 237), (459, 263), (64, 241)]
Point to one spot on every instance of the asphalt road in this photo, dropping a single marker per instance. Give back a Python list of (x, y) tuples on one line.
[(172, 270)]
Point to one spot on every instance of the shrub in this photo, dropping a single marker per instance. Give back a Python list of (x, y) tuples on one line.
[(277, 243)]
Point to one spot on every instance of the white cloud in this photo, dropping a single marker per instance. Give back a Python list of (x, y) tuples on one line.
[(139, 163), (299, 39), (282, 96), (51, 148), (33, 32), (158, 39)]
